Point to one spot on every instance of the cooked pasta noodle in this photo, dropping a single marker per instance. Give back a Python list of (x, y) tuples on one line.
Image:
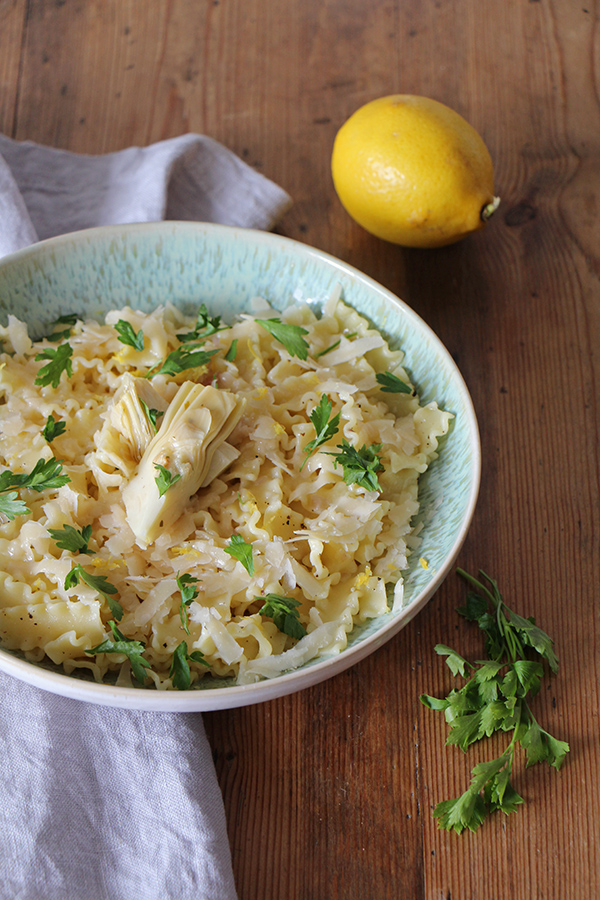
[(337, 548)]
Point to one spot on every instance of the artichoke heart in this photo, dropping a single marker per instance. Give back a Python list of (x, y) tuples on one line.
[(191, 445), (127, 430)]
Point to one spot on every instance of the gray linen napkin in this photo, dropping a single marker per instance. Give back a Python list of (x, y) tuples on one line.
[(99, 803)]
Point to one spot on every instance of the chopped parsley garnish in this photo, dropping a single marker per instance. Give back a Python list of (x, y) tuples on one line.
[(328, 349), (494, 699), (45, 476), (127, 335), (181, 359), (151, 414), (324, 425), (179, 672), (98, 583), (52, 429), (164, 480), (205, 327), (62, 335), (288, 335), (69, 538), (391, 384), (232, 351), (60, 361), (187, 587), (240, 550), (284, 612), (130, 648), (360, 466)]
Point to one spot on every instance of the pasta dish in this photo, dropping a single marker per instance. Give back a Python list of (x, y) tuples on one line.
[(181, 498)]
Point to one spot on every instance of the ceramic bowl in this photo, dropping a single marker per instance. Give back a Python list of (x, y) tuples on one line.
[(189, 263)]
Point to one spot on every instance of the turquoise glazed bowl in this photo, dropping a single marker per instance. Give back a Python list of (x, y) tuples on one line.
[(190, 263)]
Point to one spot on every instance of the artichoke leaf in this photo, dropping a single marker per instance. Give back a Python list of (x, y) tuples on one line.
[(127, 430), (191, 445)]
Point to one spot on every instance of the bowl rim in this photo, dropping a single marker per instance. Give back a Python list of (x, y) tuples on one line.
[(212, 699)]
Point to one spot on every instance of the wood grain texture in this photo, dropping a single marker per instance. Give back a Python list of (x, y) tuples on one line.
[(329, 793)]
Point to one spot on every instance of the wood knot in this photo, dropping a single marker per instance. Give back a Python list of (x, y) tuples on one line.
[(520, 214)]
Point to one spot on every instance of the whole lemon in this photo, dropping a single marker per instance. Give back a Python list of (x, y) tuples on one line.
[(412, 171)]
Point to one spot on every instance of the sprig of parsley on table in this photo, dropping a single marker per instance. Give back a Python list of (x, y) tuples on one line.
[(324, 425), (494, 698), (360, 466), (60, 361), (130, 648), (98, 583), (287, 334), (240, 550), (284, 612), (69, 538), (180, 674), (46, 475), (128, 335)]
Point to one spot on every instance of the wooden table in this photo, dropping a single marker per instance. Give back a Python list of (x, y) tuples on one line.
[(329, 793)]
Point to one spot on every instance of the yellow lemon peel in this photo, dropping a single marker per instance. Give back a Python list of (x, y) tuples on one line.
[(412, 171)]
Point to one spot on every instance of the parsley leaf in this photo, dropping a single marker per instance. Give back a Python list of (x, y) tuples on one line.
[(494, 698), (130, 648), (288, 335), (60, 361), (62, 335), (360, 466), (205, 326), (164, 480), (187, 587), (45, 475), (52, 429), (69, 538), (127, 335), (324, 426), (151, 414), (98, 583), (179, 672), (240, 550), (391, 384), (181, 359), (11, 506), (232, 351), (284, 612)]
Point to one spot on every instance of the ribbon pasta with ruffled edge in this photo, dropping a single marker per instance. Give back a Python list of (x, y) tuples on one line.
[(241, 444)]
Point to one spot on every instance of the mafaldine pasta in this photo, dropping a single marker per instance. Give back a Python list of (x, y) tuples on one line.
[(182, 499)]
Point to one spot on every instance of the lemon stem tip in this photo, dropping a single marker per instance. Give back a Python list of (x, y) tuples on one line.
[(490, 208)]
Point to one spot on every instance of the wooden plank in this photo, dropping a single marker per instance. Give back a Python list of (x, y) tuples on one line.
[(12, 23)]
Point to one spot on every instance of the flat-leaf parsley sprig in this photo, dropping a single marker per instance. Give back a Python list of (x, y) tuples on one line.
[(46, 475), (129, 647), (494, 699), (287, 334), (360, 466), (99, 583), (60, 361), (284, 612), (324, 424)]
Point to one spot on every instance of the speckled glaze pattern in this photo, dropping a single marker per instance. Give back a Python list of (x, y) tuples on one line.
[(192, 263)]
